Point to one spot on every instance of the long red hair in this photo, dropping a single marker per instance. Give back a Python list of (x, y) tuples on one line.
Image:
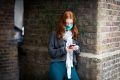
[(62, 22)]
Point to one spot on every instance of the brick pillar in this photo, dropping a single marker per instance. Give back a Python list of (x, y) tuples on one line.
[(8, 50), (100, 56)]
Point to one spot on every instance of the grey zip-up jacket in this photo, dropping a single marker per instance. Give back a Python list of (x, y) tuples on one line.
[(57, 49)]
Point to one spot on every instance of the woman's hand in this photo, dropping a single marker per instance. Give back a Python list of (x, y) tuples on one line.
[(69, 49), (76, 47)]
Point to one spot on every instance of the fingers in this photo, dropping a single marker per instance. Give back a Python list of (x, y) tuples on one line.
[(76, 47), (70, 50), (72, 45)]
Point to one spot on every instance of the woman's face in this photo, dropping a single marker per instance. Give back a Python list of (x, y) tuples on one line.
[(69, 24), (69, 21)]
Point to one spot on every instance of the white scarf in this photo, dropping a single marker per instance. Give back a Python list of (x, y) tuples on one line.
[(69, 57)]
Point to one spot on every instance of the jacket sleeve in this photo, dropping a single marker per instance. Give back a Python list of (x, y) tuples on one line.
[(52, 50), (77, 52)]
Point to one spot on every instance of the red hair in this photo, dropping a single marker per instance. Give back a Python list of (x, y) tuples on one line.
[(62, 22)]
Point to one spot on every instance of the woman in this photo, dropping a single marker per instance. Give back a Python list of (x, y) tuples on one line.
[(63, 49)]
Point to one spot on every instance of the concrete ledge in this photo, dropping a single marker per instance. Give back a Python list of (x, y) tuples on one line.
[(99, 67)]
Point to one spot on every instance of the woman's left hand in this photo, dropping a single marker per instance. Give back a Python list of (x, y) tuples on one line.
[(76, 47)]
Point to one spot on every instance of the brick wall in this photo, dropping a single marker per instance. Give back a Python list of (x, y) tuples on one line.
[(108, 26), (104, 63), (8, 49), (87, 22), (98, 22), (39, 20), (100, 67)]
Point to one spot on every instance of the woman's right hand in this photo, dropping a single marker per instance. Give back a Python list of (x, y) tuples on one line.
[(69, 50)]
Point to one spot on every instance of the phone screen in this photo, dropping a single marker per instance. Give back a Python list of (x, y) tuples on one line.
[(72, 45)]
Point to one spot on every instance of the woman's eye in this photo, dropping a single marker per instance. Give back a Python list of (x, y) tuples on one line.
[(69, 23)]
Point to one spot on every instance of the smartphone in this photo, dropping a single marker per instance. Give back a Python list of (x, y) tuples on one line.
[(71, 45)]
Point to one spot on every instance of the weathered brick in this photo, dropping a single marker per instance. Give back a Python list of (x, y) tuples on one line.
[(98, 22), (100, 68), (8, 50)]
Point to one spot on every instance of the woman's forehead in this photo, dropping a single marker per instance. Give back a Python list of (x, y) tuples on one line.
[(69, 20)]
